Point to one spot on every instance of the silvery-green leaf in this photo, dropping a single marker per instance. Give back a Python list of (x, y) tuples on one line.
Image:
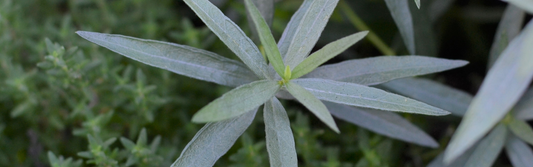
[(266, 8), (309, 28), (237, 101), (312, 103), (524, 107), (501, 89), (364, 96), (488, 148), (327, 52), (459, 162), (401, 14), (290, 31), (417, 3), (382, 122), (522, 130), (508, 28), (181, 59), (518, 152), (213, 141), (425, 40), (231, 35), (279, 138), (376, 70), (432, 93), (266, 38), (524, 4)]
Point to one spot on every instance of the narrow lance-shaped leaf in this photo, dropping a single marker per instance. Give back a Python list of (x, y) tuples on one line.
[(501, 89), (376, 70), (524, 4), (213, 141), (279, 138), (488, 148), (518, 152), (327, 52), (290, 31), (363, 96), (308, 30), (524, 107), (383, 122), (432, 93), (266, 38), (181, 59), (461, 161), (312, 103), (266, 8), (522, 130), (237, 101), (417, 3), (508, 28), (231, 35), (401, 14)]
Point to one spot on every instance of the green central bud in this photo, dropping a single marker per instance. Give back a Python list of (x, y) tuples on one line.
[(286, 76)]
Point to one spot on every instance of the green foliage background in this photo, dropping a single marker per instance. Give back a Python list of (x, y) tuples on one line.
[(56, 88)]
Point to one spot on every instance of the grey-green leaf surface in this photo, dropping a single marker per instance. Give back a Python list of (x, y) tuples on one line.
[(312, 103), (327, 52), (524, 107), (266, 8), (488, 148), (508, 28), (279, 138), (522, 130), (524, 4), (309, 28), (432, 93), (290, 31), (376, 70), (501, 89), (459, 162), (181, 59), (231, 35), (364, 96), (213, 141), (237, 101), (518, 152), (417, 3), (266, 38), (386, 123), (401, 15)]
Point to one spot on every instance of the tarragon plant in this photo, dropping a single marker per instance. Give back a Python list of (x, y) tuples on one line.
[(286, 71)]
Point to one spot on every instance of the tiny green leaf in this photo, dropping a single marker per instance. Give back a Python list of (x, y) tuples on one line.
[(518, 152), (213, 141), (522, 130), (279, 137), (312, 103), (364, 96), (327, 52), (265, 35), (237, 101), (488, 148), (287, 74)]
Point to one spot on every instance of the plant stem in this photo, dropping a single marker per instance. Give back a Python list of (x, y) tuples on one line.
[(360, 24)]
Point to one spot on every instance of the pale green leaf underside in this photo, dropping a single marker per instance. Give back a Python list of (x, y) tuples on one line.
[(401, 15), (364, 96), (312, 103), (432, 93), (488, 148), (279, 138), (231, 35), (266, 38), (327, 52), (312, 21), (237, 101), (383, 122), (524, 107), (376, 70), (524, 4), (522, 130), (184, 60), (508, 28), (501, 89), (518, 152), (213, 141)]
